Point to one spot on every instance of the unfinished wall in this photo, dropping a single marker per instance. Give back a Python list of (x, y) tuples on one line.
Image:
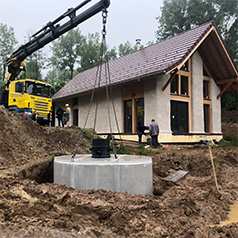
[(197, 94), (157, 103), (163, 101), (216, 108), (102, 118), (150, 100)]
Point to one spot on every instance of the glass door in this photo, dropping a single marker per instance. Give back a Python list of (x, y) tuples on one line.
[(179, 117), (128, 116)]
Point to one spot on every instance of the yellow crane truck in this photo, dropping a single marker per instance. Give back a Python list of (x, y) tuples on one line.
[(32, 97)]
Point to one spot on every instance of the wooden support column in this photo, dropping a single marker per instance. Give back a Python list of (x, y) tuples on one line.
[(226, 87)]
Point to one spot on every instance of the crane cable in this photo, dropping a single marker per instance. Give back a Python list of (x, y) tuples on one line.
[(97, 83)]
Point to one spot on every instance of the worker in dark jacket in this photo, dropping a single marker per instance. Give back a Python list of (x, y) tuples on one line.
[(60, 115), (141, 131), (154, 132)]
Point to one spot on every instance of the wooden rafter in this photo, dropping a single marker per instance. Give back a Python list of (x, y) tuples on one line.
[(170, 79), (225, 81), (224, 89)]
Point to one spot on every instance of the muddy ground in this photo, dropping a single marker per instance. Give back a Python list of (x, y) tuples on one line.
[(32, 206)]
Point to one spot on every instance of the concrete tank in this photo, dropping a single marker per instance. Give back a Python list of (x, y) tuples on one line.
[(127, 173)]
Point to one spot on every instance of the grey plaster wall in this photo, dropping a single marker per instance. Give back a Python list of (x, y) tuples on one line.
[(163, 101), (197, 94), (216, 108), (102, 118), (150, 100), (157, 103)]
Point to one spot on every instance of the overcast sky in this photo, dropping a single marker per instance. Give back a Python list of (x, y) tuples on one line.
[(128, 20)]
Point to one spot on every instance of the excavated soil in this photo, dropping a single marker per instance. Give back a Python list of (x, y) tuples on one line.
[(32, 206)]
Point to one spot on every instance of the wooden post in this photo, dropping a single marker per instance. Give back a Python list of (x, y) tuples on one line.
[(213, 167)]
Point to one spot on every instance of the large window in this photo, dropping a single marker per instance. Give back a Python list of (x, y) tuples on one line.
[(179, 117), (180, 84), (180, 99), (174, 85)]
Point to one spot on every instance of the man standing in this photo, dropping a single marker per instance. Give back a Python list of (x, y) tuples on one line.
[(154, 132), (60, 115), (67, 113)]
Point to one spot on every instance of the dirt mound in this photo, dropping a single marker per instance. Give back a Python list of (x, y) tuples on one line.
[(186, 208), (23, 142)]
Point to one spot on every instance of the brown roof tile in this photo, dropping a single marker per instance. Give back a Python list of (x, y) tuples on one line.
[(155, 59)]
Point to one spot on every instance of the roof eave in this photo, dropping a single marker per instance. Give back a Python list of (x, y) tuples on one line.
[(149, 75)]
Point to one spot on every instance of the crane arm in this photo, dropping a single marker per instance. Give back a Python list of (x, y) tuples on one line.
[(48, 34)]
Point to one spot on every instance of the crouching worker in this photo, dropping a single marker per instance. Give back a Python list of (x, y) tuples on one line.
[(141, 131)]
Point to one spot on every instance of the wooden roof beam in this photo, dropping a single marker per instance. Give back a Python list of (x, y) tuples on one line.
[(224, 89), (225, 81)]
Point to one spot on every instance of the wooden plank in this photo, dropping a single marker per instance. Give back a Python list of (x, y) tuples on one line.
[(224, 89), (225, 81)]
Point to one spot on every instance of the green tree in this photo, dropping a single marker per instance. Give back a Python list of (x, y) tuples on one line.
[(180, 15), (112, 53), (67, 51), (7, 44), (90, 52), (34, 65), (126, 48), (57, 79)]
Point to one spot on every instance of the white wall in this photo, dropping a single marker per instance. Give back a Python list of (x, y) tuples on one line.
[(216, 108), (197, 94)]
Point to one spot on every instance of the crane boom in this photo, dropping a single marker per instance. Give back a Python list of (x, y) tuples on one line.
[(48, 34)]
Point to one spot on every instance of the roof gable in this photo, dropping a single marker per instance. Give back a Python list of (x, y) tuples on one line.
[(160, 58)]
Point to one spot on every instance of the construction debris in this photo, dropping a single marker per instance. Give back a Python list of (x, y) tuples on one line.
[(176, 176)]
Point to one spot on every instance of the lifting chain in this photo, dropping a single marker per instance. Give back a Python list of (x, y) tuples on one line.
[(103, 54), (104, 21)]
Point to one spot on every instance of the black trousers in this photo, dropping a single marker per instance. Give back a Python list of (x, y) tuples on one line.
[(60, 119), (154, 141)]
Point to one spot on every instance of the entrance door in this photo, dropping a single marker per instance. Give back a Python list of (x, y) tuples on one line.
[(75, 117), (179, 117), (128, 116)]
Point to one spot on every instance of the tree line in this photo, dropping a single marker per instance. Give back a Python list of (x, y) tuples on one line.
[(73, 53)]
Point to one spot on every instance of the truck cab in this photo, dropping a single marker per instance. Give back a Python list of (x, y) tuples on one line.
[(30, 98)]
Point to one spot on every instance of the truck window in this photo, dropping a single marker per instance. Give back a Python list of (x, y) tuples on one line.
[(37, 89), (19, 87)]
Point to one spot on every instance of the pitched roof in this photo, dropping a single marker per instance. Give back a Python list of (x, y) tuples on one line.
[(160, 58)]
